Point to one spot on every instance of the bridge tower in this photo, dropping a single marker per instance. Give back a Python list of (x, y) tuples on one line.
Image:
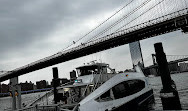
[(136, 54)]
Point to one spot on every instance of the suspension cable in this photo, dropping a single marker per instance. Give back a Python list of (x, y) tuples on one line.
[(98, 25), (140, 15), (120, 20)]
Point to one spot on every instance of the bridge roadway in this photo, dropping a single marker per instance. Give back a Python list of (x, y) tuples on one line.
[(165, 24)]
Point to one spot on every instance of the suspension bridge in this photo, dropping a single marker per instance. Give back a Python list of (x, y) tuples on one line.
[(134, 21)]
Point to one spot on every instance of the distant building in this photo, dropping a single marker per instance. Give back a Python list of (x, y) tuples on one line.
[(4, 88), (41, 84), (27, 86)]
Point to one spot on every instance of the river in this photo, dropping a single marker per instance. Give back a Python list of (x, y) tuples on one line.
[(181, 81)]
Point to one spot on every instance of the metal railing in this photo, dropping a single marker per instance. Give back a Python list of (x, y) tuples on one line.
[(55, 107)]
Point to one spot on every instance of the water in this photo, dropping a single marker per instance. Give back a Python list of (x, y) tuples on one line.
[(5, 102), (180, 79)]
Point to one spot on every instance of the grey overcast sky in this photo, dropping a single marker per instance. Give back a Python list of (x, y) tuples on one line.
[(33, 29)]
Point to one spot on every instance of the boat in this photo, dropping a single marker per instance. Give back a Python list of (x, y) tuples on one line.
[(99, 88)]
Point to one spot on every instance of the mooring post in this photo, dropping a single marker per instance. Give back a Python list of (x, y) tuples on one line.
[(19, 96), (55, 83), (13, 98), (169, 95), (13, 84)]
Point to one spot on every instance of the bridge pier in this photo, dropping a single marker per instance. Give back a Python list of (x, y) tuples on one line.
[(136, 54), (169, 94)]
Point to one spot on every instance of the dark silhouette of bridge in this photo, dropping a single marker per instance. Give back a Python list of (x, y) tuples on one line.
[(166, 22)]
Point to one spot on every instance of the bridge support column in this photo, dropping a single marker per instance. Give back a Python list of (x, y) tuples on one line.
[(55, 84), (136, 54), (169, 95)]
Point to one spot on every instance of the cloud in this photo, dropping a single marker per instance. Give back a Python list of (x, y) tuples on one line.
[(25, 22)]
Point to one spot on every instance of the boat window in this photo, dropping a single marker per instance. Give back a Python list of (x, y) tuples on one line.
[(136, 86), (127, 88), (121, 90), (87, 70), (107, 96)]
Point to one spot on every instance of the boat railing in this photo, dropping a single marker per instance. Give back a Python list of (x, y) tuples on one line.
[(85, 90), (92, 81)]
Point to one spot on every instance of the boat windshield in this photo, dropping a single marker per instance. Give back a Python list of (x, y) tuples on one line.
[(87, 70)]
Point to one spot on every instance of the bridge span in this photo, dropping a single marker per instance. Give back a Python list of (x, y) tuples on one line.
[(164, 24)]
